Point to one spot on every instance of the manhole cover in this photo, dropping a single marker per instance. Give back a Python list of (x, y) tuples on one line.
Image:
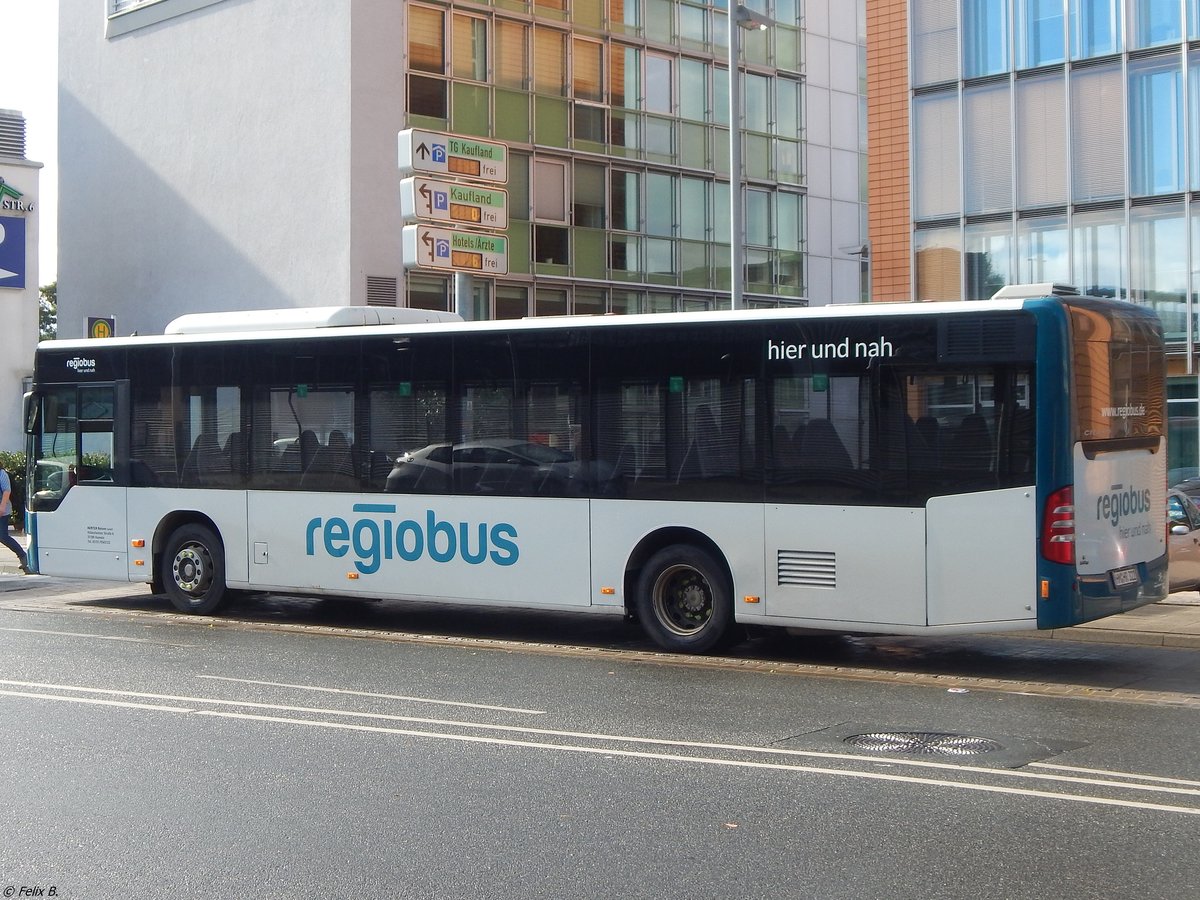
[(922, 743)]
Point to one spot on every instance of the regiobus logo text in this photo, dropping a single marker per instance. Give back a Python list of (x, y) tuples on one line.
[(1121, 503), (379, 535)]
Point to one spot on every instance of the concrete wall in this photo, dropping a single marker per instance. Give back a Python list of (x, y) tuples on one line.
[(19, 306), (154, 219)]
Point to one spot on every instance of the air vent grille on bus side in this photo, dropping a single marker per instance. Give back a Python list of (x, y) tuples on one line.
[(997, 339), (808, 568)]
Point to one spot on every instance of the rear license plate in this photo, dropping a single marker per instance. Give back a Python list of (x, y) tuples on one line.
[(1127, 577)]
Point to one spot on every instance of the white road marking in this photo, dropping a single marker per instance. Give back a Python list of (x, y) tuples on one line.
[(742, 764), (657, 742), (98, 637), (329, 690), (1110, 774), (95, 701)]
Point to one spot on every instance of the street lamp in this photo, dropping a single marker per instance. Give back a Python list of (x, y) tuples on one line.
[(739, 17)]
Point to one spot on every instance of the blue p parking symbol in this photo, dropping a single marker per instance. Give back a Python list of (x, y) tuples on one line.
[(439, 153), (441, 248)]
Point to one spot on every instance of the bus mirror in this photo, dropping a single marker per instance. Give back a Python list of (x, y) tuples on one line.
[(29, 412)]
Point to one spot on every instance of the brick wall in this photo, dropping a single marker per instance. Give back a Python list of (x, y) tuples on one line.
[(890, 219)]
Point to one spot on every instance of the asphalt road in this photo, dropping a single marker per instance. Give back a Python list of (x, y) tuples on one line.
[(293, 754)]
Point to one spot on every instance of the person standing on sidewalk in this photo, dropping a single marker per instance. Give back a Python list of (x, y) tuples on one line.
[(5, 511)]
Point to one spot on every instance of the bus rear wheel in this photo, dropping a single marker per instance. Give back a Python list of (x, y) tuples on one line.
[(684, 600), (193, 570)]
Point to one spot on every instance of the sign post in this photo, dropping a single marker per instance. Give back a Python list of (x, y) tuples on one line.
[(444, 201), (467, 251), (450, 154)]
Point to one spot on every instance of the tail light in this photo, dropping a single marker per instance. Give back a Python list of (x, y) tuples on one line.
[(1058, 527)]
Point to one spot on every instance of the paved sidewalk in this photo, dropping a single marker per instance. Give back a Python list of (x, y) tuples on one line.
[(1175, 622)]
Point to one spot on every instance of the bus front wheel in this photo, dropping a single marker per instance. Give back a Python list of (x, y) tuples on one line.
[(193, 570), (684, 600)]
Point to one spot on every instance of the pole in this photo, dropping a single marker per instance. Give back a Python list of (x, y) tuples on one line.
[(736, 226)]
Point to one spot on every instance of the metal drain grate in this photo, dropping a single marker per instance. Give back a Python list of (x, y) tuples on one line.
[(923, 743)]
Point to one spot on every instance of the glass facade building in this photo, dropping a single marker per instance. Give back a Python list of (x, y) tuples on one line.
[(616, 113), (1059, 141)]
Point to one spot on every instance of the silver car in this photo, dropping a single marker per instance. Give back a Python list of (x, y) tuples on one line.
[(1183, 519)]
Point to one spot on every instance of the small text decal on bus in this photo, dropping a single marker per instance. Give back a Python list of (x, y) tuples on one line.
[(844, 349), (79, 365), (1123, 412), (1121, 504), (378, 538)]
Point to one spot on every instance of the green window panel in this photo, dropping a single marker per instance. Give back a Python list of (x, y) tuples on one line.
[(787, 48), (694, 266), (551, 118), (660, 139), (721, 265), (512, 116), (472, 105), (662, 264), (756, 157), (590, 251), (694, 146), (788, 162), (588, 13), (518, 248), (660, 20)]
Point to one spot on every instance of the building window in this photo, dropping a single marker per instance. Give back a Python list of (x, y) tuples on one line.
[(1041, 163), (1042, 32), (426, 40), (936, 156), (587, 210), (1194, 120), (988, 260), (938, 253), (470, 48), (1042, 250), (426, 53), (512, 55), (693, 90), (987, 131), (1095, 27), (512, 301), (1158, 277), (1155, 126), (659, 83), (428, 292), (985, 37), (1098, 164), (1154, 22), (587, 70), (549, 61), (624, 207), (935, 41), (1099, 252)]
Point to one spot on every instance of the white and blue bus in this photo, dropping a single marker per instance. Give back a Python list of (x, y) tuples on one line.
[(898, 468)]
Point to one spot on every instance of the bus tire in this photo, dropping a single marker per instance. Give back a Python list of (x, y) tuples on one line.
[(684, 600), (193, 569)]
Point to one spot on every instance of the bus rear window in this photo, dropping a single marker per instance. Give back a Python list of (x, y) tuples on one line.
[(1119, 373)]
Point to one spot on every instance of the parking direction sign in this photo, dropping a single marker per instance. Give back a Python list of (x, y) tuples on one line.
[(428, 247), (452, 154), (444, 201)]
